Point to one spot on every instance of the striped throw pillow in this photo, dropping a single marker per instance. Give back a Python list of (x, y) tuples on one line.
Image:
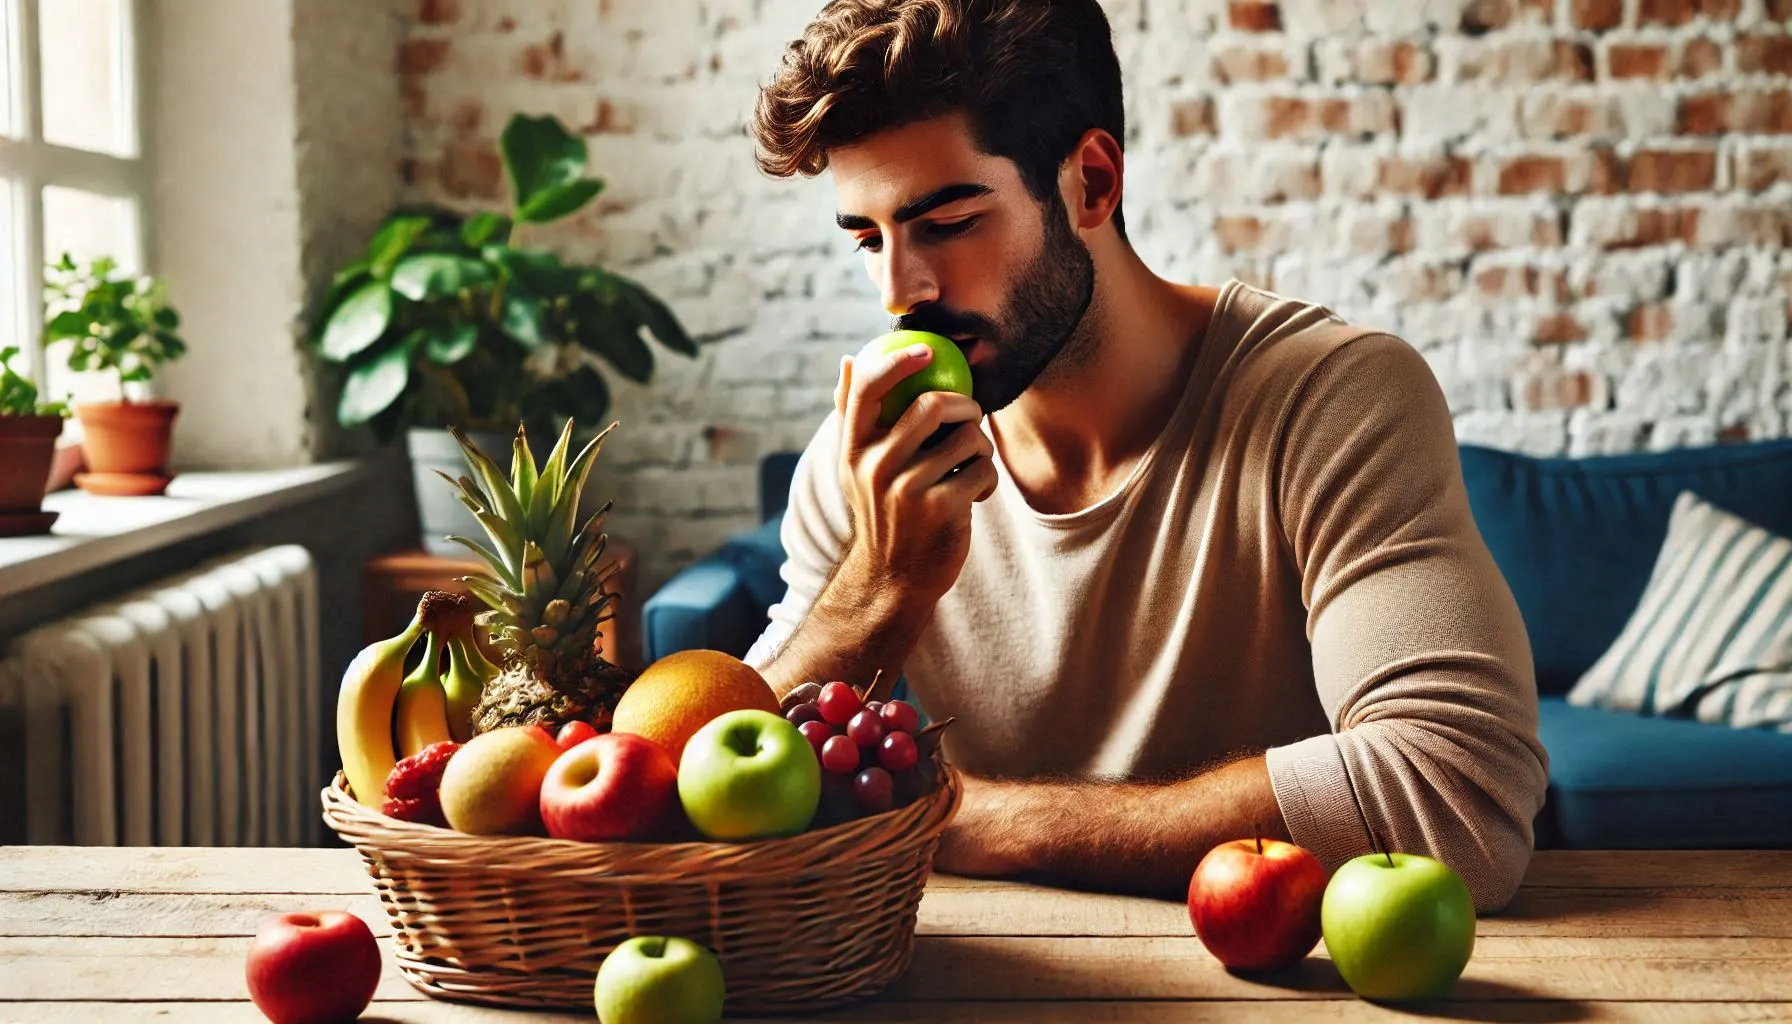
[(1712, 637)]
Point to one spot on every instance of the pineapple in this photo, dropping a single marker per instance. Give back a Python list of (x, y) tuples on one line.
[(546, 595)]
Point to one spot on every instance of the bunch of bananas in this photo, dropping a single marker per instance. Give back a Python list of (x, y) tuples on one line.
[(378, 701)]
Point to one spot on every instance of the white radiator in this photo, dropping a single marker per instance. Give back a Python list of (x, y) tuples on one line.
[(185, 714)]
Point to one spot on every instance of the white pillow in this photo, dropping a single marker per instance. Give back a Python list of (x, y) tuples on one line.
[(1712, 637)]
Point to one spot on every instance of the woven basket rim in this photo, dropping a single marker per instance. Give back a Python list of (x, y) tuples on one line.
[(634, 863)]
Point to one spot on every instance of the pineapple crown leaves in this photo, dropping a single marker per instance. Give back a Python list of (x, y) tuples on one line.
[(530, 516)]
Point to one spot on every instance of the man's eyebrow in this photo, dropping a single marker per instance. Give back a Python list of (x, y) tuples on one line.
[(916, 207)]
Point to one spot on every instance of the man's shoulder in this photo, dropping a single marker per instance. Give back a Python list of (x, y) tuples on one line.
[(1277, 343)]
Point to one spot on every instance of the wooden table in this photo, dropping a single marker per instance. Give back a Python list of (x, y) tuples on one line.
[(159, 934)]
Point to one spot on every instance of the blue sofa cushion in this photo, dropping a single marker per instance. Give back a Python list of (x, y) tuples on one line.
[(759, 554), (1623, 781), (1576, 538)]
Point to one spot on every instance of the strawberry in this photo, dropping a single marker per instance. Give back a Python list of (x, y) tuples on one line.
[(420, 775), (424, 810)]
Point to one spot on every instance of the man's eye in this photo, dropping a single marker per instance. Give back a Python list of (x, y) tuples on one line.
[(952, 228), (870, 243)]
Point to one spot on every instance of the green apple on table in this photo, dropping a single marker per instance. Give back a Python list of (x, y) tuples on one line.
[(652, 979), (749, 774), (948, 370), (1398, 925)]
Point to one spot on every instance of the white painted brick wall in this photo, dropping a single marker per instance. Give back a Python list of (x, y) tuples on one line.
[(1497, 181)]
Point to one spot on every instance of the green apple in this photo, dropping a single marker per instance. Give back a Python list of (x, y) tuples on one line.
[(947, 371), (655, 980), (749, 775), (1398, 925)]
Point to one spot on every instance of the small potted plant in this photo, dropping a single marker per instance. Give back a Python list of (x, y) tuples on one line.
[(123, 325), (450, 321), (28, 432)]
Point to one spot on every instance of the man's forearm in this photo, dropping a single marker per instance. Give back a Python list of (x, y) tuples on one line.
[(854, 629), (1119, 837)]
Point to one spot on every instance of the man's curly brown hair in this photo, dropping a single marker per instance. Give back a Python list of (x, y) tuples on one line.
[(1032, 76)]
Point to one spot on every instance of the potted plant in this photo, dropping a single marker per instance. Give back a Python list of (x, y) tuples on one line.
[(28, 432), (125, 326), (449, 320)]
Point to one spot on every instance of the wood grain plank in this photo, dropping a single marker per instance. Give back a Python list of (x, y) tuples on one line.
[(181, 869), (875, 1012), (169, 915), (1000, 968), (1660, 869)]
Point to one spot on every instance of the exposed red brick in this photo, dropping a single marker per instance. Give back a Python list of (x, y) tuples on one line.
[(1673, 170), (1571, 60), (1759, 169), (1558, 329), (471, 169), (1255, 17), (1723, 226), (1705, 114), (1762, 112), (506, 25), (1651, 322), (1410, 283), (1238, 234), (548, 60), (1603, 178), (1483, 16), (438, 12), (1382, 234), (1679, 12), (1637, 60), (416, 98), (1192, 117), (608, 120), (1734, 433), (1246, 64), (1412, 64), (1533, 174), (1700, 57), (1557, 116), (467, 115), (422, 56), (1512, 282), (1651, 226), (1368, 114), (1597, 15), (1556, 390), (1286, 115), (1431, 178), (1779, 10), (1769, 54)]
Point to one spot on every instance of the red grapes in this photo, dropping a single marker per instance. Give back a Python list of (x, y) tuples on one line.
[(867, 748)]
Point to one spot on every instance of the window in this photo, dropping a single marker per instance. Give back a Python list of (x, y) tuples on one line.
[(73, 170)]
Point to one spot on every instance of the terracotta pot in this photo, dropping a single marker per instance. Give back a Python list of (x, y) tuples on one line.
[(127, 438), (27, 445)]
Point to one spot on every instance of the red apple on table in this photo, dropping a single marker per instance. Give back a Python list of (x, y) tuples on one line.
[(610, 787), (1255, 903), (313, 968), (574, 733)]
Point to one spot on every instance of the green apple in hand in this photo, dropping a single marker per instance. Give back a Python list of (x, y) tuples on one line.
[(1398, 925), (948, 370), (749, 775), (656, 980)]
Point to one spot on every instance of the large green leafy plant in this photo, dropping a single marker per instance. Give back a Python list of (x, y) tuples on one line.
[(18, 396), (121, 325), (447, 321)]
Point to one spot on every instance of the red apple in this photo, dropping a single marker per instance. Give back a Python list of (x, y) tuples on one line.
[(1255, 903), (613, 786), (313, 968), (574, 733)]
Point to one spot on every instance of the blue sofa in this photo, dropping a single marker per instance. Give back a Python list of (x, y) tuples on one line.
[(1576, 539)]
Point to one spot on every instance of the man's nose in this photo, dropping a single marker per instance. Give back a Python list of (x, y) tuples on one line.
[(908, 280)]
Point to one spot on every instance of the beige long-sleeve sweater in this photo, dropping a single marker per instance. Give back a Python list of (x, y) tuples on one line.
[(1291, 568)]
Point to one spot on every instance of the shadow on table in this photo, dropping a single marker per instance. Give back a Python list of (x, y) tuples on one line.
[(1471, 999)]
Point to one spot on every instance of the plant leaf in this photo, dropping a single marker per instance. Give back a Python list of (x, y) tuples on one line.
[(374, 385), (522, 469), (449, 345), (359, 322), (539, 155), (521, 318), (392, 241), (657, 317), (71, 324), (559, 200), (482, 228), (432, 275), (618, 340)]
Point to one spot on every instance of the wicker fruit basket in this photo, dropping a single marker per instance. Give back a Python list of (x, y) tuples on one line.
[(799, 924)]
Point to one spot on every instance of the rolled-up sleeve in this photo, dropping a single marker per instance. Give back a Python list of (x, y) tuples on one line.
[(1419, 654)]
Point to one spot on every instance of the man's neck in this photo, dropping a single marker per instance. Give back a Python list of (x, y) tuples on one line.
[(1072, 438)]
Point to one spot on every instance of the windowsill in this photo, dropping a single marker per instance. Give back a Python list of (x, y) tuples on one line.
[(94, 531)]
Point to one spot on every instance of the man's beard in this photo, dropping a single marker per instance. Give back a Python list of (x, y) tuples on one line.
[(1040, 318)]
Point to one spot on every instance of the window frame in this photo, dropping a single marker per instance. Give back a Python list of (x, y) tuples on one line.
[(29, 164)]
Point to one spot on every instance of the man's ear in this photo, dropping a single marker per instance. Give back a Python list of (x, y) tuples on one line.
[(1092, 179)]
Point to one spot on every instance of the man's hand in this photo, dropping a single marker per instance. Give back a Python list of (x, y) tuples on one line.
[(910, 503)]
